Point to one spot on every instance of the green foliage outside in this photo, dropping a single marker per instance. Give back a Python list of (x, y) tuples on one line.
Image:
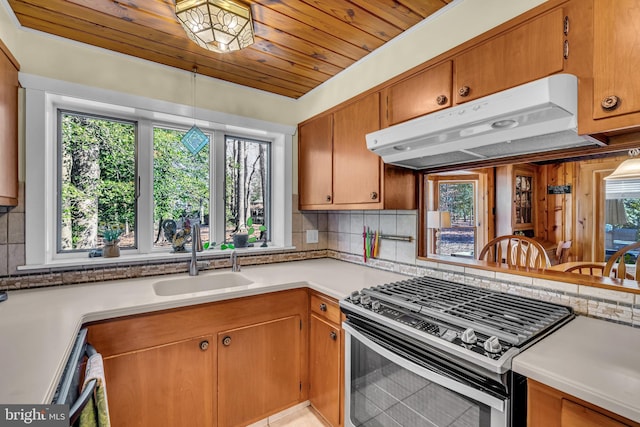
[(458, 199), (180, 179), (98, 182), (98, 178), (632, 209)]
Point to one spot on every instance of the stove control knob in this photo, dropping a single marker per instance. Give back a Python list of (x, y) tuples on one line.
[(492, 345), (375, 305), (365, 300), (469, 336), (355, 297)]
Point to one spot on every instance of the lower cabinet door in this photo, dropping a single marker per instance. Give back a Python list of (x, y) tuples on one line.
[(259, 370), (168, 385), (575, 415), (324, 366)]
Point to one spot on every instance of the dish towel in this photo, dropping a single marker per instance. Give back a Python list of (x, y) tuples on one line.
[(96, 412)]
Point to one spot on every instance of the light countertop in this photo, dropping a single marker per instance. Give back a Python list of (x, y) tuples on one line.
[(591, 359), (594, 360), (38, 327)]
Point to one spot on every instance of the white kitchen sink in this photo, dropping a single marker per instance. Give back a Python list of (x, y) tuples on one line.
[(205, 282)]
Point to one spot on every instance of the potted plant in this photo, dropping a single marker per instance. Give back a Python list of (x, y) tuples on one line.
[(244, 237), (245, 234), (111, 237)]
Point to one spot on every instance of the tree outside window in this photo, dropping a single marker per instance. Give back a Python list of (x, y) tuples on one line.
[(458, 198), (247, 164), (98, 175), (97, 170), (180, 184)]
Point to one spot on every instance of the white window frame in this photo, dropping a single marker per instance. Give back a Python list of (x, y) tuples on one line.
[(44, 96)]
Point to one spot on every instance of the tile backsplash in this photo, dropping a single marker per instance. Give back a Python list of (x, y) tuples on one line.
[(342, 231), (339, 237), (12, 236)]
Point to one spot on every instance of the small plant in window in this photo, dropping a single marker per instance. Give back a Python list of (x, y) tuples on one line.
[(111, 238), (244, 237)]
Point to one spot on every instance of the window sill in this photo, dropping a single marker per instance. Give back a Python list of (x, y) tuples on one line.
[(82, 263)]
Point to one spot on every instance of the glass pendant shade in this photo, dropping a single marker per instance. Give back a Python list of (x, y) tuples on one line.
[(629, 169), (216, 25)]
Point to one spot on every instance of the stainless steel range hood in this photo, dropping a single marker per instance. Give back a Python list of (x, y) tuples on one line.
[(536, 117)]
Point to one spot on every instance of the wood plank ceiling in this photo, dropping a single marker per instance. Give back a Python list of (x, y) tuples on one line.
[(299, 43)]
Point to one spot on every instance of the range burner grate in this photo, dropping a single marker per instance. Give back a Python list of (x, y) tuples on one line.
[(513, 318)]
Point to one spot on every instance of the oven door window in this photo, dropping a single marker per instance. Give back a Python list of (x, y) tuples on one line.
[(385, 394)]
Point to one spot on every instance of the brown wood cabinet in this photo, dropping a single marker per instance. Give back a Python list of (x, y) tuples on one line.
[(173, 367), (177, 377), (616, 63), (259, 370), (548, 407), (516, 200), (533, 50), (422, 93), (356, 178), (356, 170), (9, 131), (315, 162), (326, 362)]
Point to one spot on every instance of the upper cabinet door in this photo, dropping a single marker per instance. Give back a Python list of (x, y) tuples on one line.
[(422, 93), (9, 128), (526, 53), (356, 170), (616, 78), (315, 146)]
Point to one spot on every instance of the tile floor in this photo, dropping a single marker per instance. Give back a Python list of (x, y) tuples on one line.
[(302, 418)]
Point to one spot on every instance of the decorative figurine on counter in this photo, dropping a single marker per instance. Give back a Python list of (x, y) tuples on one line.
[(178, 238)]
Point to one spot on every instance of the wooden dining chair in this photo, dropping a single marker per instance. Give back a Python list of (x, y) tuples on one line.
[(588, 268), (617, 265), (515, 251), (562, 251)]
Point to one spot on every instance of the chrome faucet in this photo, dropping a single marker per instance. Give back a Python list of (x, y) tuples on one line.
[(196, 246), (234, 262)]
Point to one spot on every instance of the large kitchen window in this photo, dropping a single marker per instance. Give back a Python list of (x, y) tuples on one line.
[(99, 161), (180, 185), (96, 179), (247, 190)]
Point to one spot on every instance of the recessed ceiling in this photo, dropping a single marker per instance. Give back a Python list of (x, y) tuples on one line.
[(299, 44)]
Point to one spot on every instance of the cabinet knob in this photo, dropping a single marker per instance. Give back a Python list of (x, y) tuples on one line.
[(204, 345), (333, 335), (441, 100), (610, 103), (464, 91), (328, 198), (323, 307), (374, 195), (226, 341)]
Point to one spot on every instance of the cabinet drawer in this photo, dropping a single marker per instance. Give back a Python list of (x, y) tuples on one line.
[(325, 308)]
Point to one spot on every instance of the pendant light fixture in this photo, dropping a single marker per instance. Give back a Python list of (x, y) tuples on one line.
[(629, 169), (217, 25), (195, 140)]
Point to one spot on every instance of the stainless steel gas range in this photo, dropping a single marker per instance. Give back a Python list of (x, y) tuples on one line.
[(427, 352)]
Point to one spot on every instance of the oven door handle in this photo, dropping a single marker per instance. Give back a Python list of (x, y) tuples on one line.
[(448, 383)]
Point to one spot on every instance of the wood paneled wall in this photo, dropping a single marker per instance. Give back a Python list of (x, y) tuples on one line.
[(578, 216)]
